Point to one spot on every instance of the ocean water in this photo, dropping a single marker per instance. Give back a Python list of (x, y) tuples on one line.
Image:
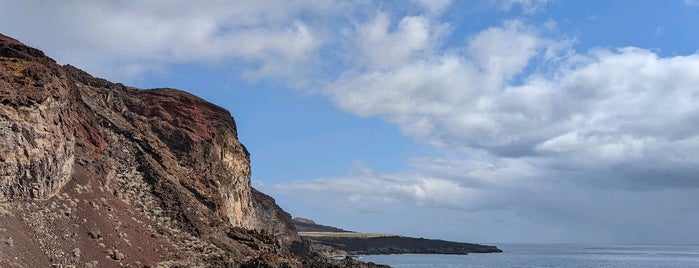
[(556, 255)]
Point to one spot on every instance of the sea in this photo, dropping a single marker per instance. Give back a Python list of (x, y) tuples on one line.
[(555, 255)]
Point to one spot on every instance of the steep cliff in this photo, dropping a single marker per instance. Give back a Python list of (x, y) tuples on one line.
[(97, 174)]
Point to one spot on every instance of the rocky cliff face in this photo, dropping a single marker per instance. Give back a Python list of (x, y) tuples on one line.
[(38, 145), (97, 174)]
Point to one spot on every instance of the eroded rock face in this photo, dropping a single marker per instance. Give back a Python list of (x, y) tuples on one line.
[(144, 177), (194, 130), (37, 153)]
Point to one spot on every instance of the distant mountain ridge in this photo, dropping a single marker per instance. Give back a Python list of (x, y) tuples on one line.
[(307, 225), (353, 243)]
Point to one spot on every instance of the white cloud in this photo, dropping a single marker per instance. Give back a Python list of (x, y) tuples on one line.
[(128, 37), (602, 108), (438, 97), (381, 48), (367, 190), (502, 52), (527, 6)]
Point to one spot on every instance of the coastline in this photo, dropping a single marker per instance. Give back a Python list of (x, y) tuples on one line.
[(355, 244), (337, 243)]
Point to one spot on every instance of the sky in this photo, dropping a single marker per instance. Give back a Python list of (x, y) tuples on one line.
[(535, 121)]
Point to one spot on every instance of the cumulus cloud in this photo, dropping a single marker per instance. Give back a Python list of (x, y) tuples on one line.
[(370, 190), (527, 6), (130, 38), (438, 97), (380, 48), (515, 93)]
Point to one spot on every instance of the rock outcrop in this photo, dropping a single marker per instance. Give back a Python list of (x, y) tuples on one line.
[(98, 174), (38, 145)]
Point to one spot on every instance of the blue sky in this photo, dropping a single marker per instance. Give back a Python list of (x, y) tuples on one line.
[(482, 121)]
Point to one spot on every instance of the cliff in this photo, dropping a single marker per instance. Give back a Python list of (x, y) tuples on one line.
[(98, 174)]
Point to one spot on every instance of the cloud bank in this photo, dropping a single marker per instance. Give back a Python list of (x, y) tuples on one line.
[(528, 126)]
